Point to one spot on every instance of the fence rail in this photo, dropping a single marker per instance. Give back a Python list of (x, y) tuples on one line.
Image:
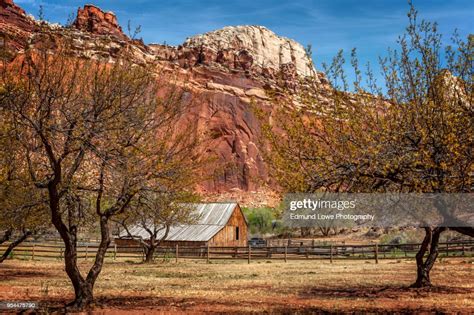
[(36, 251)]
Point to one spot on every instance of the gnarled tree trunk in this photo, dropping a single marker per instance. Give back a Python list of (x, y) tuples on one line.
[(150, 248), (149, 253), (424, 266), (83, 287)]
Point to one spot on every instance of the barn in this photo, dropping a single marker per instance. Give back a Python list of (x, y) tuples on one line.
[(218, 224)]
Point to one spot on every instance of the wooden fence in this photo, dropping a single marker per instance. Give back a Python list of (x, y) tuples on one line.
[(53, 250)]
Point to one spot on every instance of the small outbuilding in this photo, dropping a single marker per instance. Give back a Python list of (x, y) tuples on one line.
[(218, 224)]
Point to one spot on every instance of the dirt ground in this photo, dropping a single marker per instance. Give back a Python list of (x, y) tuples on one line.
[(296, 287)]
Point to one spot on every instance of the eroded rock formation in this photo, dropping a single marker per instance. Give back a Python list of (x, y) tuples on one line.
[(15, 26), (246, 47), (231, 69), (93, 20)]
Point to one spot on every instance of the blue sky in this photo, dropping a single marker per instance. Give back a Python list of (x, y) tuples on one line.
[(328, 25)]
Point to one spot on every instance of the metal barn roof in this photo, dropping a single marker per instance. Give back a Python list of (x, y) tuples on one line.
[(211, 218)]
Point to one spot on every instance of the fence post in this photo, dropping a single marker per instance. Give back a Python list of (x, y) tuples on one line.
[(33, 252), (330, 253), (208, 258), (463, 253), (447, 248), (115, 251), (177, 253), (61, 252), (87, 249), (249, 254), (286, 252), (376, 253)]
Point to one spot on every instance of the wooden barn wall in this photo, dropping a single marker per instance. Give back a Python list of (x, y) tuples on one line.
[(124, 242), (182, 244), (226, 236), (129, 242)]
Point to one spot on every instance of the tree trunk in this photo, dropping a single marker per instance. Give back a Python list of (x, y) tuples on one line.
[(149, 254), (83, 296), (14, 244), (150, 248), (83, 287), (424, 266), (82, 290), (422, 277)]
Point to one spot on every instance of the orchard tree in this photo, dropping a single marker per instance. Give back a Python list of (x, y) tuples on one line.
[(417, 138), (91, 136), (155, 211), (23, 210), (153, 214)]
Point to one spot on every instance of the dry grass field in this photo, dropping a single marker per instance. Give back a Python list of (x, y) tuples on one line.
[(237, 287)]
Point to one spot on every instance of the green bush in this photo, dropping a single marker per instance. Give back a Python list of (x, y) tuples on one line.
[(259, 219), (263, 220)]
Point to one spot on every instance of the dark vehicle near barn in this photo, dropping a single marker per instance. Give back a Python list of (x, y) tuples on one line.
[(257, 242)]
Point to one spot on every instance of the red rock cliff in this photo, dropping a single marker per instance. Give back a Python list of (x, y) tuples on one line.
[(93, 20), (15, 26), (230, 68)]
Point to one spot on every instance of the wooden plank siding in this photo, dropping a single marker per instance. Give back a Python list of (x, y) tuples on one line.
[(227, 236), (125, 242)]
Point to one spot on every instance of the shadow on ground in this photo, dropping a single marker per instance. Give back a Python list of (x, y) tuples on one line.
[(159, 305), (379, 292), (8, 273)]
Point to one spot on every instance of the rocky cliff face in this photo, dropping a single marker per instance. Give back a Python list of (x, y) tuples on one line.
[(230, 69), (15, 25), (93, 20), (246, 47)]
